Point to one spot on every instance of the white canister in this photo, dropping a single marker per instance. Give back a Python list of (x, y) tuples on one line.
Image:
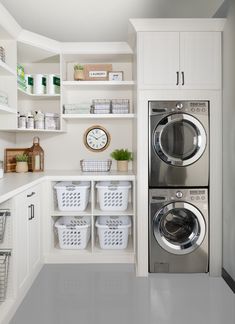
[(29, 83), (52, 121), (53, 84), (39, 120), (22, 121), (30, 122), (39, 84)]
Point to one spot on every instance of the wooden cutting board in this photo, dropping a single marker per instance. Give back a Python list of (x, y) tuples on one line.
[(10, 158)]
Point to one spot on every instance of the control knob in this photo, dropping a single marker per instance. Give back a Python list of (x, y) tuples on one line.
[(179, 194), (179, 106)]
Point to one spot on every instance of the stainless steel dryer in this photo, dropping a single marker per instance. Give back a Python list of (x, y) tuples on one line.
[(178, 230), (178, 143)]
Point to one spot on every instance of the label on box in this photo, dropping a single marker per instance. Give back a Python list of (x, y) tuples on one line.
[(98, 74)]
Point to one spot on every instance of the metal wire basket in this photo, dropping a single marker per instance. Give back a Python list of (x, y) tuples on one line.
[(3, 214), (4, 269), (95, 165)]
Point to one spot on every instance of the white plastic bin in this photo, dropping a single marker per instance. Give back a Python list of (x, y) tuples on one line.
[(72, 196), (113, 195), (113, 231), (74, 232)]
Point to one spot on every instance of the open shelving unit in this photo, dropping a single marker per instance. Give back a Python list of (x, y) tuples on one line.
[(93, 252)]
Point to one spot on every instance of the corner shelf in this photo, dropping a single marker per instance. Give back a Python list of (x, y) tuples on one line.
[(6, 69), (98, 116), (25, 95), (7, 110)]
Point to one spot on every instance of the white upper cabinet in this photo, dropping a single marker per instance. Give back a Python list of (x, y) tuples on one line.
[(200, 60), (158, 60), (179, 60)]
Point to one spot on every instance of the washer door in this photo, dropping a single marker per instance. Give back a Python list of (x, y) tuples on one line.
[(179, 139), (179, 228)]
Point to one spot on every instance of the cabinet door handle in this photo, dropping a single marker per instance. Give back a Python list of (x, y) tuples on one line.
[(32, 206), (183, 78), (30, 195), (30, 211), (177, 78)]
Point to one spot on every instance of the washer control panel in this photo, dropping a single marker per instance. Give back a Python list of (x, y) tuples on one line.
[(195, 107), (194, 195)]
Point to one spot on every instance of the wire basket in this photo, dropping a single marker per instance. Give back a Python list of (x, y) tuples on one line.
[(3, 214), (101, 106), (95, 165), (4, 269), (120, 106)]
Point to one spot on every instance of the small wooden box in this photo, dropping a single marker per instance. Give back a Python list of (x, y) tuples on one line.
[(10, 158), (97, 72)]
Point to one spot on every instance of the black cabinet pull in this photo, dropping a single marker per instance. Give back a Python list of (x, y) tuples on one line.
[(30, 212), (33, 214), (30, 195), (177, 78), (183, 78)]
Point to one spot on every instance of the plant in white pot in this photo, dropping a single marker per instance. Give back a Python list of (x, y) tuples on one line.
[(78, 72), (122, 157), (22, 163)]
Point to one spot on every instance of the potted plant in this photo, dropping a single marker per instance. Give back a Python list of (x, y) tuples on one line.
[(22, 163), (78, 72), (122, 157)]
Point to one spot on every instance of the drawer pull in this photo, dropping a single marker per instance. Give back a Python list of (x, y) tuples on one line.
[(30, 195)]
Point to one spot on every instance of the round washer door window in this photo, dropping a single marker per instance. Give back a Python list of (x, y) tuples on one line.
[(179, 228), (179, 139)]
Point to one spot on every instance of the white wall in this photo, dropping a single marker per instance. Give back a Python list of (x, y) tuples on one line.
[(229, 145), (6, 140), (103, 20), (64, 151)]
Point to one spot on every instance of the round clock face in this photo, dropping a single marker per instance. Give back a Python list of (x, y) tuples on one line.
[(96, 138)]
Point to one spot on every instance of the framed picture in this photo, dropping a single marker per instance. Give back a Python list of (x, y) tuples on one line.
[(116, 76)]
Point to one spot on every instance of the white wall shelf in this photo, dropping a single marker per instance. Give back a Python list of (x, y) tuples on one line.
[(97, 116), (74, 84), (25, 95), (18, 130), (7, 110), (6, 69)]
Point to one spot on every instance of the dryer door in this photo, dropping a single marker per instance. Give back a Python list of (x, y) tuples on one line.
[(179, 228), (179, 139)]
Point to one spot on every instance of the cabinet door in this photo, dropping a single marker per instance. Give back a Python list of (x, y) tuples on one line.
[(200, 60), (22, 239), (34, 232), (158, 60)]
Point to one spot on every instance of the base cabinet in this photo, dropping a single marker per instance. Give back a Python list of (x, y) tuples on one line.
[(28, 236)]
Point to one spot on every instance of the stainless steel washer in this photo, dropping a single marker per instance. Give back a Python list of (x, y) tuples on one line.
[(178, 230), (178, 143)]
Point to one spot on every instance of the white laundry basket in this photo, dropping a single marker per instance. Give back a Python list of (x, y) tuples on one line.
[(113, 195), (73, 231), (113, 231), (72, 196)]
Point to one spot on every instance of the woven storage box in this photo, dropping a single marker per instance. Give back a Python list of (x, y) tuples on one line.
[(73, 232), (95, 166), (72, 196), (113, 195), (4, 269), (113, 231)]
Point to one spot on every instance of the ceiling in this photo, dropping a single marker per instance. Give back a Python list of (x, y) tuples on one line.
[(103, 20)]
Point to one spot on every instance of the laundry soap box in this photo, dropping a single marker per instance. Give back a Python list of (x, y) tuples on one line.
[(97, 72)]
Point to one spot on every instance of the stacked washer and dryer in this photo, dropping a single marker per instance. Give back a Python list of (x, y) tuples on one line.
[(178, 186)]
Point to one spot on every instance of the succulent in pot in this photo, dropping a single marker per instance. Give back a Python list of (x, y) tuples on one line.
[(78, 72), (122, 156), (22, 163)]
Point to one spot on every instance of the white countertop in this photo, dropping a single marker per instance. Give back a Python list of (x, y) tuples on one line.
[(14, 183)]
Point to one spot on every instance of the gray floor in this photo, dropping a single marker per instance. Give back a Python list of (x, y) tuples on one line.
[(111, 294)]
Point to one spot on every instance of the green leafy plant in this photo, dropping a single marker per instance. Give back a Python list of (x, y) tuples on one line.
[(22, 158), (78, 67), (122, 155)]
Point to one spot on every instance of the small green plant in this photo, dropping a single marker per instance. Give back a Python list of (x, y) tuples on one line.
[(22, 158), (122, 155), (78, 67)]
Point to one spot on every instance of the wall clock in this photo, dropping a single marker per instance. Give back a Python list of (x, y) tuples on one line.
[(96, 138)]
